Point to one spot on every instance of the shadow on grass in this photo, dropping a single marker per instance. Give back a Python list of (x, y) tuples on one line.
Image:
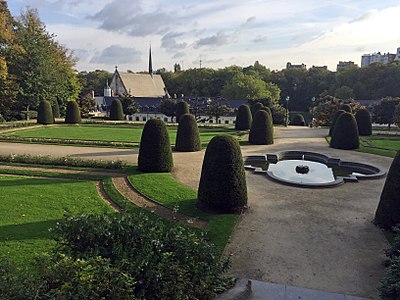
[(27, 231)]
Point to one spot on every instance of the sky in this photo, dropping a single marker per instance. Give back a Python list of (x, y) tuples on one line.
[(108, 33)]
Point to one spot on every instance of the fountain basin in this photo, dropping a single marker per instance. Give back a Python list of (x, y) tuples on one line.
[(323, 171)]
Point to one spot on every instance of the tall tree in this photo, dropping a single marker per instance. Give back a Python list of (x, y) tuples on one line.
[(217, 108), (383, 112)]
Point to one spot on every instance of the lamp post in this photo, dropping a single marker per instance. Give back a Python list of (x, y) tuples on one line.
[(312, 111), (287, 111)]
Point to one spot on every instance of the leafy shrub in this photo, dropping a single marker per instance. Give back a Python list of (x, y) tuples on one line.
[(388, 212), (2, 120), (73, 114), (345, 134), (45, 113), (262, 129), (182, 108), (267, 109), (243, 118), (116, 110), (278, 114), (155, 153), (56, 109), (346, 108), (334, 119), (28, 115), (364, 123), (389, 288), (298, 120), (187, 136), (256, 107), (222, 185)]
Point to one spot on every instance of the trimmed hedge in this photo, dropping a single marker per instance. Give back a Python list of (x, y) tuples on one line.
[(182, 108), (116, 110), (345, 133), (334, 119), (73, 113), (222, 186), (187, 136), (267, 109), (256, 107), (388, 212), (262, 129), (346, 108), (56, 109), (298, 120), (155, 153), (243, 118), (364, 122), (45, 113)]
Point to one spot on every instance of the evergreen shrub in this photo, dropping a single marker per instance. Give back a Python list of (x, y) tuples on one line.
[(364, 122), (298, 120), (155, 153), (334, 119), (243, 118), (222, 185), (116, 110), (262, 129), (346, 108), (45, 113), (73, 113), (345, 133), (256, 107), (187, 136), (182, 108), (56, 109)]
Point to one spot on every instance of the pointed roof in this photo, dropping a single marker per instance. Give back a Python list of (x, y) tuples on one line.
[(143, 85), (150, 63)]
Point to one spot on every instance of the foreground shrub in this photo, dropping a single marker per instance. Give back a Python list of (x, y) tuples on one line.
[(116, 110), (73, 114), (364, 122), (298, 120), (182, 108), (155, 153), (267, 109), (45, 113), (243, 118), (222, 185), (334, 119), (388, 212), (187, 136), (262, 129), (345, 134), (256, 107)]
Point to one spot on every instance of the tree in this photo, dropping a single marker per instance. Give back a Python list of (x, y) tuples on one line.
[(93, 81), (262, 129), (344, 92), (128, 104), (345, 134), (86, 104), (216, 108), (73, 114), (243, 118), (187, 136), (182, 108), (363, 118), (168, 107), (155, 153), (56, 109), (383, 112), (116, 110), (45, 113), (222, 186)]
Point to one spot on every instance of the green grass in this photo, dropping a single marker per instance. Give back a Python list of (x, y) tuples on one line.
[(163, 188), (30, 206), (107, 133)]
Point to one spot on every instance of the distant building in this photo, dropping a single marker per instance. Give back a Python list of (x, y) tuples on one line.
[(324, 68), (345, 65), (290, 66), (385, 58), (397, 58)]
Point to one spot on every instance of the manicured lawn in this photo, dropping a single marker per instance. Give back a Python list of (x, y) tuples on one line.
[(29, 207), (107, 133), (380, 145)]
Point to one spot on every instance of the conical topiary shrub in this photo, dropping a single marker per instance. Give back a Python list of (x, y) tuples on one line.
[(45, 113), (187, 136), (155, 153), (182, 108), (262, 129), (73, 113), (222, 185), (346, 108), (243, 118), (256, 107), (56, 109), (364, 122), (298, 120), (334, 119), (345, 134), (388, 212), (267, 109), (116, 110)]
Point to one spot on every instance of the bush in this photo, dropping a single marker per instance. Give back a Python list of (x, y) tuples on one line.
[(2, 120), (187, 136), (243, 118), (364, 122), (155, 153), (56, 109), (256, 107), (45, 113), (27, 115), (388, 212), (262, 129), (334, 119), (222, 185), (116, 111), (182, 108), (298, 120), (346, 108), (345, 134), (73, 114), (267, 109)]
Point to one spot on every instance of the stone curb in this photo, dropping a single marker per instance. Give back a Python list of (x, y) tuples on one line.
[(241, 291)]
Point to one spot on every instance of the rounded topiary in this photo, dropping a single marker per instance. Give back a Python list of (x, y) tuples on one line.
[(267, 109), (182, 108), (243, 118), (388, 212), (73, 113), (345, 134), (116, 110), (262, 129), (222, 185), (56, 109), (45, 113), (298, 120), (346, 108), (334, 119), (155, 153), (256, 107), (364, 122), (187, 136)]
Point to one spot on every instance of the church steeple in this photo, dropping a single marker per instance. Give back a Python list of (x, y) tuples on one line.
[(150, 63)]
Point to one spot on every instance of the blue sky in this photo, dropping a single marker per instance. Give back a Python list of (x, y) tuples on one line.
[(106, 33)]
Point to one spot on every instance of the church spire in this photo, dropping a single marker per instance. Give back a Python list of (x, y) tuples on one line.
[(150, 63)]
